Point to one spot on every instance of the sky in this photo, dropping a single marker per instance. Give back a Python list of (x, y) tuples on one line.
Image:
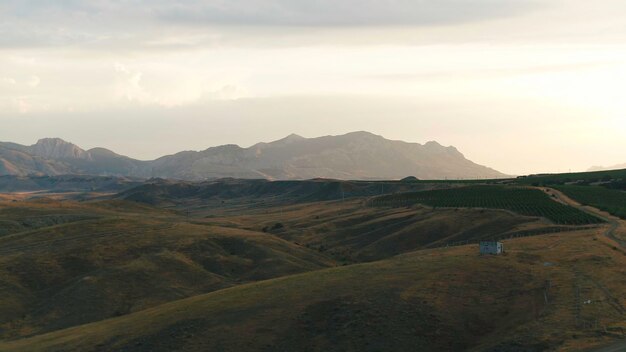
[(523, 86)]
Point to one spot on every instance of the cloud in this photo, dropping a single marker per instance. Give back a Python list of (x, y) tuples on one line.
[(129, 86), (98, 23), (164, 25), (341, 13), (272, 12)]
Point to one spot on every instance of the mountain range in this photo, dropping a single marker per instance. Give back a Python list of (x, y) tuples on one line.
[(356, 155)]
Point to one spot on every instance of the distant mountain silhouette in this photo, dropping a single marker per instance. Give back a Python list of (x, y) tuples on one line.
[(54, 156), (56, 148), (356, 155), (605, 168)]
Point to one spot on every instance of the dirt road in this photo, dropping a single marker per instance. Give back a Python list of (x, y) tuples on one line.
[(614, 222)]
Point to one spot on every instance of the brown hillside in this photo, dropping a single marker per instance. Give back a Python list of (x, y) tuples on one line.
[(67, 263), (434, 300)]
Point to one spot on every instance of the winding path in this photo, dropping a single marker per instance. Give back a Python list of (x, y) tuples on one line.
[(614, 222)]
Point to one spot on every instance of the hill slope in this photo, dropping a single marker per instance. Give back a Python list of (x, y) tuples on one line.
[(439, 300), (357, 155), (69, 263), (65, 263), (67, 183)]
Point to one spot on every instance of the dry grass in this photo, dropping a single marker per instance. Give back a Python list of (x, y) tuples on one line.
[(65, 264), (351, 232), (271, 291), (450, 298)]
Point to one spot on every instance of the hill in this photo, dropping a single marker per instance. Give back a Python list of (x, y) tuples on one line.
[(312, 265), (572, 177), (64, 263), (357, 155), (226, 192), (351, 231), (446, 299), (522, 200), (610, 200), (67, 183), (605, 190)]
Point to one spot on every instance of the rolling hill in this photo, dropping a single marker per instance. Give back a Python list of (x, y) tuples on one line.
[(68, 263), (67, 183), (446, 299), (65, 263), (315, 265)]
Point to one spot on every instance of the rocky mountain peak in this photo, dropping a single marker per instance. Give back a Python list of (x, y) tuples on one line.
[(56, 148), (294, 137)]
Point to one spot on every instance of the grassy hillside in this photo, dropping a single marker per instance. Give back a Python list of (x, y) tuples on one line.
[(66, 183), (555, 179), (68, 263), (225, 193), (64, 263), (521, 200), (260, 268), (351, 232), (444, 299)]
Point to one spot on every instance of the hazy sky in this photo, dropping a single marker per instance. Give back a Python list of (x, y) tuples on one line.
[(522, 86)]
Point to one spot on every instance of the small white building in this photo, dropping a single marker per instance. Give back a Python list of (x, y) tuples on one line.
[(491, 247)]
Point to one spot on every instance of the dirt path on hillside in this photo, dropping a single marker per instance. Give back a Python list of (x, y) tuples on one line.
[(615, 223)]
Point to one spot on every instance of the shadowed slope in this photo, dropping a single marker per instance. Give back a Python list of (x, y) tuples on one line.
[(87, 262), (68, 263), (436, 300), (351, 231)]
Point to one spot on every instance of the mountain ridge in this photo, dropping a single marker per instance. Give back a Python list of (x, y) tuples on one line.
[(56, 148), (355, 155)]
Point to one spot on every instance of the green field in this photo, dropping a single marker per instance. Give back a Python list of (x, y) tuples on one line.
[(559, 179), (609, 200), (524, 201)]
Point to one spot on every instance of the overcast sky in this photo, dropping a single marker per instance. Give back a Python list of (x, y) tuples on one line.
[(521, 86)]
